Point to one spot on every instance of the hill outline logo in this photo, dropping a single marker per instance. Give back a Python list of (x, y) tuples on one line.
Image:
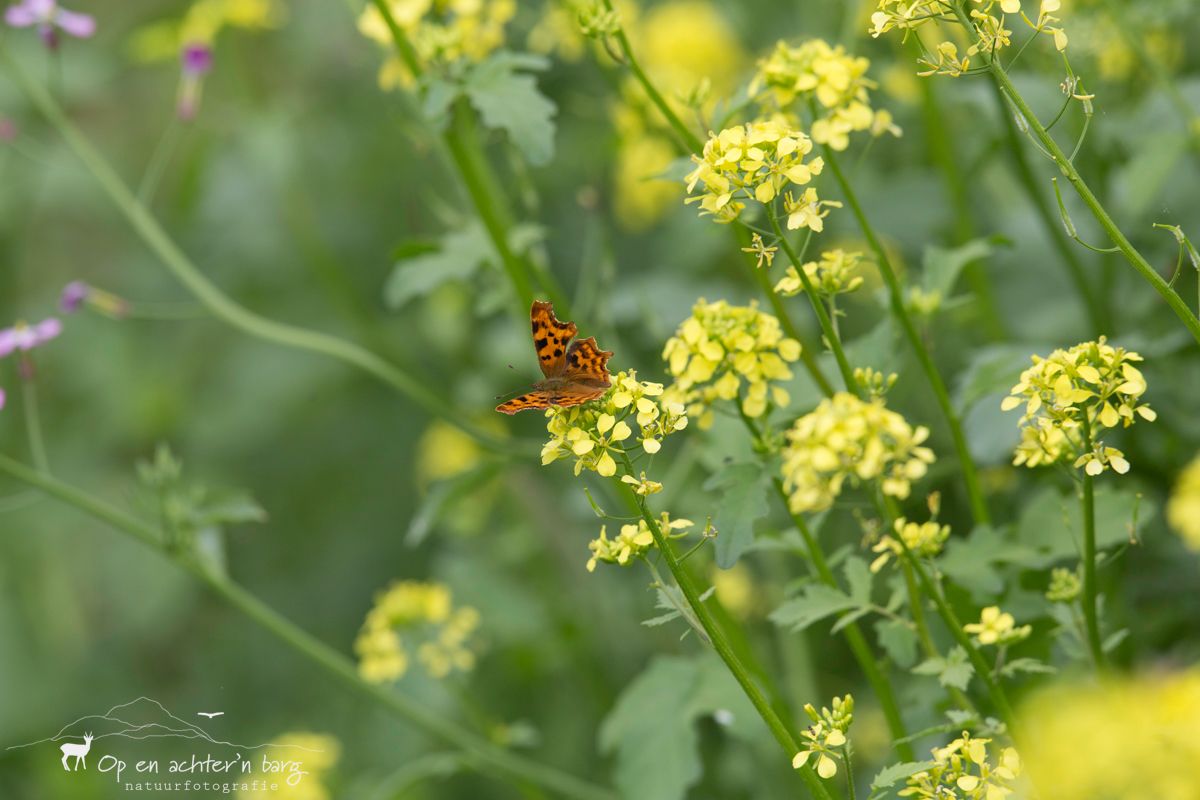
[(146, 719)]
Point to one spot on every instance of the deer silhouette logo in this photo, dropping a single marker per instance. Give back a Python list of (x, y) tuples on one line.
[(80, 752)]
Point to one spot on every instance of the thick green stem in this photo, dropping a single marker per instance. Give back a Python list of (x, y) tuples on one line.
[(204, 290), (979, 509), (861, 650), (720, 643), (1135, 258), (1051, 220), (832, 340), (1090, 593), (436, 724)]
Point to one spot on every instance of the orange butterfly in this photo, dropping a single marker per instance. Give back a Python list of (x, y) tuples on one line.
[(576, 371)]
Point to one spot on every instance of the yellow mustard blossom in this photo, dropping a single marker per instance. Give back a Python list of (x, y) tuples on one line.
[(426, 616), (923, 540), (752, 162), (846, 438), (633, 542), (1183, 507), (1064, 586), (303, 760), (1070, 397), (1134, 738), (762, 252), (643, 485), (807, 210), (593, 432), (830, 77), (200, 24), (964, 772), (834, 273), (444, 451), (997, 627), (641, 194), (721, 347), (737, 590), (441, 32), (826, 737)]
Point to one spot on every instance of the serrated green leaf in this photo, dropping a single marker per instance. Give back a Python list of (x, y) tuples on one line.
[(954, 670), (1019, 665), (459, 255), (817, 602), (509, 100), (898, 640), (890, 775), (743, 500), (942, 267), (858, 579)]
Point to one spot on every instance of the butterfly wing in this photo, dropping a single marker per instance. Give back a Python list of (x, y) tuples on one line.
[(538, 398), (550, 338), (587, 364), (576, 394)]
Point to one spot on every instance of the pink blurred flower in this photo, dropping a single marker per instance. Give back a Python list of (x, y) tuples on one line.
[(2, 398), (47, 16), (8, 130), (196, 60), (25, 337), (73, 295)]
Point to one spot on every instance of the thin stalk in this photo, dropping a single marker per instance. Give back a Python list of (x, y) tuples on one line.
[(831, 337), (495, 759), (1135, 258), (720, 643), (979, 509), (1097, 318), (849, 771), (33, 422), (880, 683), (159, 160), (917, 609), (1090, 612), (210, 295)]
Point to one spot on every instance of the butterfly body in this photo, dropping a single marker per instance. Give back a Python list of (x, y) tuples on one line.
[(575, 370)]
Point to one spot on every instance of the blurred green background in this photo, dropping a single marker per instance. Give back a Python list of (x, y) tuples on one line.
[(295, 190)]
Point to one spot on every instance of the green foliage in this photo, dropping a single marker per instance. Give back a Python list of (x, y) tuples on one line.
[(953, 670), (508, 100), (743, 491)]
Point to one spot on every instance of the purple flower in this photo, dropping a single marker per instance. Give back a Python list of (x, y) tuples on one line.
[(197, 59), (1, 398), (8, 130), (73, 295), (26, 337), (47, 16)]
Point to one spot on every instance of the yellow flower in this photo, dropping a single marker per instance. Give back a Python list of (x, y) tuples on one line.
[(424, 613), (643, 485), (633, 542), (1183, 509), (826, 736), (721, 347), (307, 756), (736, 590), (593, 432), (200, 24), (751, 162), (833, 274), (846, 438), (1070, 397), (923, 540), (444, 451), (828, 75), (763, 253), (997, 627), (963, 771), (807, 211), (1133, 738)]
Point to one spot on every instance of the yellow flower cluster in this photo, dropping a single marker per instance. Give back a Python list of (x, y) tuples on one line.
[(426, 613), (963, 772), (315, 755), (1064, 585), (1183, 508), (849, 438), (721, 346), (755, 161), (1070, 396), (831, 77), (922, 539), (633, 542), (987, 21), (826, 737), (997, 627), (591, 433), (1129, 738), (200, 24), (834, 273), (441, 32)]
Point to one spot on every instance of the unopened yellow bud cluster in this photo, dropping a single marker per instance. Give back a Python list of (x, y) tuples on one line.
[(922, 539), (835, 273)]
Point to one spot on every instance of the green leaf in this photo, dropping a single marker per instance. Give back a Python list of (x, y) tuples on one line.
[(817, 602), (898, 640), (954, 670), (743, 500), (858, 578), (942, 267), (1019, 665), (1139, 182), (652, 732), (1051, 524), (459, 256), (993, 371), (889, 776), (509, 100)]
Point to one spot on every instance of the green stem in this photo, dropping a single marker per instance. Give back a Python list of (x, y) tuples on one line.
[(849, 771), (1090, 600), (979, 509), (158, 161), (880, 683), (1051, 221), (917, 609), (720, 643), (1135, 258), (332, 662), (831, 337), (217, 302), (33, 418)]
